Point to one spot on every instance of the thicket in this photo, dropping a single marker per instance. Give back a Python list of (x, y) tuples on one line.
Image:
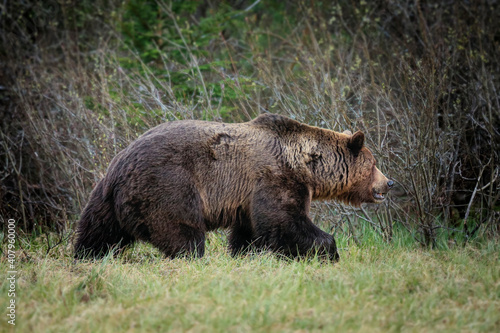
[(81, 79)]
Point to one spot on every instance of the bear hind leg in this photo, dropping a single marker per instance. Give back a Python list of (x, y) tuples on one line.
[(175, 223), (181, 240)]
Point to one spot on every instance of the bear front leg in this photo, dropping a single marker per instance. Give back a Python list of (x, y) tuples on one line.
[(242, 235), (280, 218)]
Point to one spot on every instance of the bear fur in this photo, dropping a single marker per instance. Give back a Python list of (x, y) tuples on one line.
[(184, 178)]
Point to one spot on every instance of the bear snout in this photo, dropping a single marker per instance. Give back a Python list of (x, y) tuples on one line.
[(381, 186), (379, 195)]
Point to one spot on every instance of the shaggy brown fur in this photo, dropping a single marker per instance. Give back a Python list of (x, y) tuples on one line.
[(184, 178)]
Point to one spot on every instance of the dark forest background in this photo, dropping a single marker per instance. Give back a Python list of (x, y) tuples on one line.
[(79, 80)]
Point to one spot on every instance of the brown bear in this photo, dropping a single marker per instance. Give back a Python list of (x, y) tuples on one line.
[(184, 178)]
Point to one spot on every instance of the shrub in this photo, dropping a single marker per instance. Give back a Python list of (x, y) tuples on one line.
[(420, 79)]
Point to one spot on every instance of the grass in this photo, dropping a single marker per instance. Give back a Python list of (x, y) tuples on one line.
[(376, 287)]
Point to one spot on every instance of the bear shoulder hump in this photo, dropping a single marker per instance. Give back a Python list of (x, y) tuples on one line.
[(276, 122)]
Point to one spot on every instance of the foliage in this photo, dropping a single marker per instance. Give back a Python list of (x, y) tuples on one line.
[(421, 79)]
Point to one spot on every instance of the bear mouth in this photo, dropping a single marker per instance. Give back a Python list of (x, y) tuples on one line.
[(378, 196)]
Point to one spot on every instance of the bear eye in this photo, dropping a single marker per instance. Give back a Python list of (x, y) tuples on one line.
[(315, 156)]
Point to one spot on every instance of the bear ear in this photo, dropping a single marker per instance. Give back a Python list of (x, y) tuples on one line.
[(347, 132), (356, 142)]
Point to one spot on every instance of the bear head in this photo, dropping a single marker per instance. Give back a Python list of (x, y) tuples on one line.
[(343, 169), (366, 184)]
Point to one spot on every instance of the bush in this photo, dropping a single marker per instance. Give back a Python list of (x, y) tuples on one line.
[(420, 79)]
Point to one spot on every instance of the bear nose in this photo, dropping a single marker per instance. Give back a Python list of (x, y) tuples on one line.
[(390, 183)]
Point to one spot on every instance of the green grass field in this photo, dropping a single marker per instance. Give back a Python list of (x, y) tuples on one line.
[(377, 287)]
